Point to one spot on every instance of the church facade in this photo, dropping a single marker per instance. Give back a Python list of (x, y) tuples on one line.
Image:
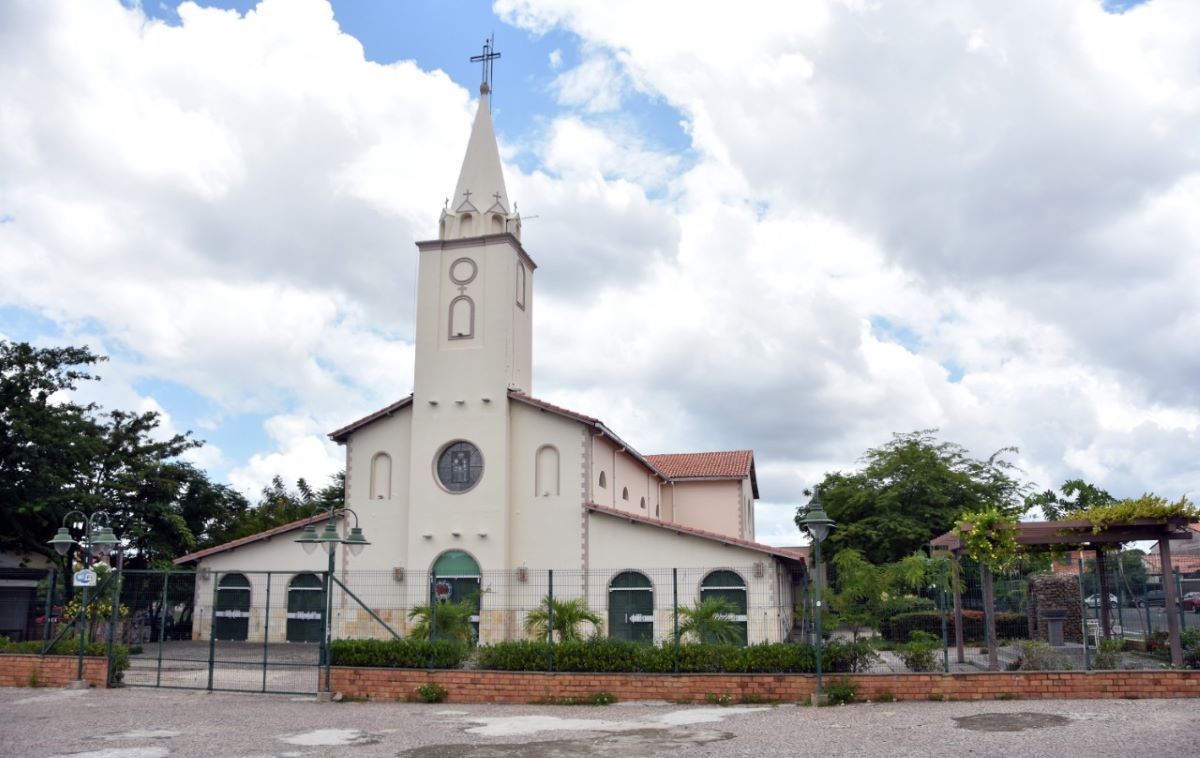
[(474, 482)]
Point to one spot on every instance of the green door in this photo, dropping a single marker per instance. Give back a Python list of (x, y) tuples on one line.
[(231, 621), (305, 609), (456, 579), (631, 607), (730, 586)]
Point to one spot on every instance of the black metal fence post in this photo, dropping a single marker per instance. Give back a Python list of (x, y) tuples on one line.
[(48, 612), (550, 619), (942, 613), (212, 628), (162, 629), (266, 632), (1087, 658), (675, 612), (1179, 599), (433, 602), (112, 620)]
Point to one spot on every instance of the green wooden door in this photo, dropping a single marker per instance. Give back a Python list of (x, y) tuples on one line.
[(631, 607), (456, 579), (305, 609), (231, 620), (729, 586)]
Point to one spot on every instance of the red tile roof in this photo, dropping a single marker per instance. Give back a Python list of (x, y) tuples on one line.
[(1185, 563), (790, 555), (724, 464), (263, 535)]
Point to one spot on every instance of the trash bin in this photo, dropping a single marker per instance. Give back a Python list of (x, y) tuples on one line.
[(1054, 618)]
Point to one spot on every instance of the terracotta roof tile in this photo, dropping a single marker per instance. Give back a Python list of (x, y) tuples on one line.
[(265, 534), (719, 464)]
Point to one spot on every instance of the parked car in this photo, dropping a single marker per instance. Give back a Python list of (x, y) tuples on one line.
[(1092, 601), (1154, 597), (1191, 602)]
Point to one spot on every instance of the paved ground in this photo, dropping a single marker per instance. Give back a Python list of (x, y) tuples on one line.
[(148, 723)]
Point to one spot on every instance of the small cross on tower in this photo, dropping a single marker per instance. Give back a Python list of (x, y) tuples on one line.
[(489, 54)]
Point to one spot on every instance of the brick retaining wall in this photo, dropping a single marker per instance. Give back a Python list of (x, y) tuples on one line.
[(529, 687), (50, 670)]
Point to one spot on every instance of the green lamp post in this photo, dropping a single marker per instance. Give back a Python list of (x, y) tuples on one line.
[(98, 539), (818, 525), (329, 539)]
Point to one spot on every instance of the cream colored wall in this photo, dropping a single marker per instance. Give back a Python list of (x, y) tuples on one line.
[(546, 531), (712, 505), (615, 545), (384, 521), (747, 496), (622, 471)]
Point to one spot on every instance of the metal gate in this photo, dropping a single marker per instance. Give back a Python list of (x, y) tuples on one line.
[(231, 630)]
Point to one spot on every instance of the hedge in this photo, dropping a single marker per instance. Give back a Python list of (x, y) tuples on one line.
[(402, 653), (69, 646), (1008, 625)]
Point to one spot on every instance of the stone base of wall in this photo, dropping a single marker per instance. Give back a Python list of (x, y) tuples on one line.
[(50, 670), (526, 687)]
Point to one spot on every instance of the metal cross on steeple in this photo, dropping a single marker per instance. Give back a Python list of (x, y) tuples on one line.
[(489, 54)]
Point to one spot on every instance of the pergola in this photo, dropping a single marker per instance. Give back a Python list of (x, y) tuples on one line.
[(1043, 536)]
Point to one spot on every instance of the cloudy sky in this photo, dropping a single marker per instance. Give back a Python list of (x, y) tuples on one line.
[(796, 227)]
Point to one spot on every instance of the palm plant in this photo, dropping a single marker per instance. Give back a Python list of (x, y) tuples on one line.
[(453, 621), (568, 615), (711, 621)]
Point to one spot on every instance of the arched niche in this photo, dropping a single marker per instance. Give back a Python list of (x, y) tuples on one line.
[(546, 471), (462, 318), (381, 477)]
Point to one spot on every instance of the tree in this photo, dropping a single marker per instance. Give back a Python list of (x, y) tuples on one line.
[(453, 620), (1076, 495), (911, 490), (277, 505), (710, 621), (567, 618)]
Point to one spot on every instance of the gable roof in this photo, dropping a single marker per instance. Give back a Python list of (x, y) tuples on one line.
[(724, 539), (266, 534), (340, 435), (720, 464)]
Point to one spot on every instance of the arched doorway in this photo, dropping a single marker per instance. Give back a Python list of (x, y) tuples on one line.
[(305, 609), (456, 579), (730, 586), (231, 619), (631, 607)]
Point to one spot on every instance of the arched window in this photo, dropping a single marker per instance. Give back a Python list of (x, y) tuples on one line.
[(546, 473), (730, 586), (497, 224), (657, 513), (520, 285), (643, 504), (231, 619), (466, 225), (462, 318), (624, 493), (603, 480), (456, 579), (381, 477), (305, 608), (631, 607)]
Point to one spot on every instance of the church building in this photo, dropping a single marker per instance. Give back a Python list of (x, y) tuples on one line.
[(472, 481)]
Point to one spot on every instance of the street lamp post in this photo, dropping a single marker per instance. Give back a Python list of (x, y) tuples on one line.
[(818, 524), (329, 539), (98, 538)]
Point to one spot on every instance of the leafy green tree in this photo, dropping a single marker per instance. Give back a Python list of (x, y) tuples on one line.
[(911, 490), (1075, 494), (277, 505), (711, 621), (568, 616)]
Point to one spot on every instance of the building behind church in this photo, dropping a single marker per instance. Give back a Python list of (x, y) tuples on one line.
[(472, 487)]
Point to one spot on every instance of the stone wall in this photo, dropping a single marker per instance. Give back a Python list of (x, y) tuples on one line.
[(1055, 591)]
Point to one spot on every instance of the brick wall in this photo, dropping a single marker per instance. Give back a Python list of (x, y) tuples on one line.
[(528, 687), (51, 670)]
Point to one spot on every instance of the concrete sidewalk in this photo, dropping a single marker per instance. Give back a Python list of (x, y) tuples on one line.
[(148, 723)]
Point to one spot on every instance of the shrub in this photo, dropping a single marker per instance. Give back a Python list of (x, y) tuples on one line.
[(407, 653), (431, 693), (841, 691), (602, 698), (1035, 655), (722, 700), (894, 606), (1108, 655), (920, 652), (1009, 625)]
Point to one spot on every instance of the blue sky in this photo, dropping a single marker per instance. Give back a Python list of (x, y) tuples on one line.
[(796, 228)]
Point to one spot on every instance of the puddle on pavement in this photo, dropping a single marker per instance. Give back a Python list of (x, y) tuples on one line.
[(632, 742), (1010, 722), (331, 738)]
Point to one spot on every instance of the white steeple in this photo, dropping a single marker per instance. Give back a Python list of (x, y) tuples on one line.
[(480, 204)]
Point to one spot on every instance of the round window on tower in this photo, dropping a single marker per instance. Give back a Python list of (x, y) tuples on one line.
[(459, 466)]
